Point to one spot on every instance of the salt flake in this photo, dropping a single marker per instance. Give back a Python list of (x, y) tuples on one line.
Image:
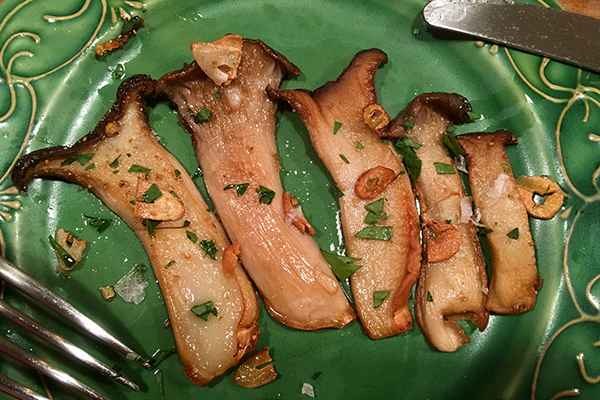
[(308, 389), (131, 287)]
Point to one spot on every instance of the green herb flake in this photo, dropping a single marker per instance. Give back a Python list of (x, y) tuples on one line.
[(68, 161), (506, 167), (91, 166), (452, 145), (152, 194), (473, 116), (344, 159), (139, 168), (448, 221), (209, 248), (186, 223), (265, 195), (204, 310), (406, 148), (341, 265), (177, 173), (429, 296), (218, 94), (239, 188), (115, 162), (483, 231), (409, 125), (62, 253), (376, 213), (514, 234), (444, 169), (375, 233), (359, 145), (84, 158), (316, 375), (379, 297), (101, 224), (170, 264), (203, 116), (336, 127), (198, 173), (451, 128), (150, 224), (338, 191), (192, 236)]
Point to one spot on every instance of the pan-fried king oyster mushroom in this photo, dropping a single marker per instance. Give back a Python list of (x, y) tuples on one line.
[(453, 282), (515, 280), (212, 307), (379, 215), (233, 130)]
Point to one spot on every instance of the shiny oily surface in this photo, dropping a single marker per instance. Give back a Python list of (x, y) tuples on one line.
[(53, 90)]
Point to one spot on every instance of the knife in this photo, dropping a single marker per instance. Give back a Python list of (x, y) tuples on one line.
[(557, 34)]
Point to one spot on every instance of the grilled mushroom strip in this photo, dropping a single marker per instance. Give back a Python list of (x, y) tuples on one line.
[(236, 149), (342, 118), (122, 158), (515, 280), (452, 285)]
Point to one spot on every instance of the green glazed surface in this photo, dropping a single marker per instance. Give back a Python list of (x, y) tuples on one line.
[(55, 90)]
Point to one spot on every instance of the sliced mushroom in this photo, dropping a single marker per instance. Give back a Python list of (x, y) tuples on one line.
[(121, 157), (455, 288), (386, 265), (236, 146), (515, 280)]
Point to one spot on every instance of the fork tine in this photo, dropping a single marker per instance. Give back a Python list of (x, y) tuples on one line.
[(12, 349), (16, 390), (18, 278), (37, 329)]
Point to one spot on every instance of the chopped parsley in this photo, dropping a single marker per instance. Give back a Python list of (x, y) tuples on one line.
[(192, 236), (506, 167), (198, 173), (209, 248), (379, 297), (265, 195), (91, 166), (344, 159), (170, 264), (115, 162), (514, 234), (177, 173), (444, 169), (429, 296), (376, 213), (218, 94), (336, 127), (204, 310), (341, 265), (101, 224), (150, 224), (473, 116), (152, 194), (62, 253), (375, 233), (338, 191), (239, 188), (409, 125), (483, 232), (174, 194), (451, 128), (84, 158), (139, 168), (452, 145), (68, 161), (359, 145), (406, 148), (186, 223), (203, 116)]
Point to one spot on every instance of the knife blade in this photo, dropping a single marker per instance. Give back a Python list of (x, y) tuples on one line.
[(557, 34)]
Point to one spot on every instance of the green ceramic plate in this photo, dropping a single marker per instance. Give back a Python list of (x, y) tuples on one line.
[(53, 90)]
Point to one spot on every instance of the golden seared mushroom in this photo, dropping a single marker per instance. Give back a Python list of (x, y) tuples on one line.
[(122, 162), (515, 280), (379, 215), (453, 282), (233, 130)]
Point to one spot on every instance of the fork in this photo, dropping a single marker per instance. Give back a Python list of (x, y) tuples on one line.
[(27, 284)]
